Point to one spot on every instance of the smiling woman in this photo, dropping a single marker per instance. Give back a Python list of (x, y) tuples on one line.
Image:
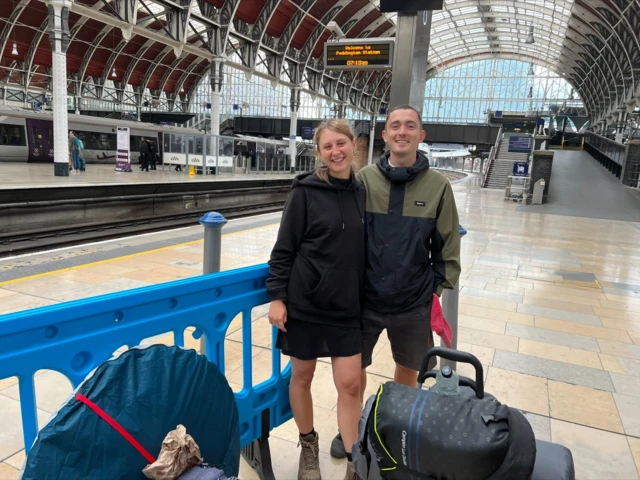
[(316, 283), (336, 146)]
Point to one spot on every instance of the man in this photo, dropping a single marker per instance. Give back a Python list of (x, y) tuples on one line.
[(413, 249), (144, 154)]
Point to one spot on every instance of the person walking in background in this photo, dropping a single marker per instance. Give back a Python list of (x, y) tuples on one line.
[(315, 284)]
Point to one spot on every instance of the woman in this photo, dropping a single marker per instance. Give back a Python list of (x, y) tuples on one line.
[(316, 277)]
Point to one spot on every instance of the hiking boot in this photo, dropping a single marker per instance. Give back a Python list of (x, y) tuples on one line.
[(309, 467), (351, 472), (337, 447)]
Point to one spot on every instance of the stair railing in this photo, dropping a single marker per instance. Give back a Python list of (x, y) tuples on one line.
[(492, 156)]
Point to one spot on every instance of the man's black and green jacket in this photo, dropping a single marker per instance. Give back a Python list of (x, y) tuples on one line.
[(413, 241)]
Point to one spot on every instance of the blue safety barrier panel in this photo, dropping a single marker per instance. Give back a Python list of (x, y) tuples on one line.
[(75, 337)]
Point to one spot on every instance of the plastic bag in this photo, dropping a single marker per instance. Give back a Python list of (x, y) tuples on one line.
[(179, 453)]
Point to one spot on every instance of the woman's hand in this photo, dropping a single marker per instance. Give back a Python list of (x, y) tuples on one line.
[(278, 314)]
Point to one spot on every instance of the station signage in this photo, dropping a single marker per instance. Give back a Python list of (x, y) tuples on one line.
[(359, 54), (123, 158), (520, 144), (389, 6)]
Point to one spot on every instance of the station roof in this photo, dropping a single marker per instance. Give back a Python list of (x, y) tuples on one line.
[(168, 45)]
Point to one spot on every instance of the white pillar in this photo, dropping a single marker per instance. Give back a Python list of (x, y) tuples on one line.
[(59, 38), (372, 134), (293, 129), (215, 80)]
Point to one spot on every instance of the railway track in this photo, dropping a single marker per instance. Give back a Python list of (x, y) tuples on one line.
[(48, 239), (40, 219)]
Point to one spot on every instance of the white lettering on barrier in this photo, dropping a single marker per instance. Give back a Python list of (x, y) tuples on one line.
[(174, 158), (221, 161), (225, 161), (195, 160)]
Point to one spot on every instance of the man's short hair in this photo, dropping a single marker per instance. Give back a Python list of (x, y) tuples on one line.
[(404, 107)]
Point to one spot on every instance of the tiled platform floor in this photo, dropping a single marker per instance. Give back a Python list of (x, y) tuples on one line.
[(550, 304), (20, 175)]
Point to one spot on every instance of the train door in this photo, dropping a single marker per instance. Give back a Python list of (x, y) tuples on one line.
[(40, 137)]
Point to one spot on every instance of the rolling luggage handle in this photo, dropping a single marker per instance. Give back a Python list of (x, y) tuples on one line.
[(455, 356)]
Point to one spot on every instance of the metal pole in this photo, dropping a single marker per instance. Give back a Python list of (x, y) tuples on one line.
[(213, 223), (449, 302)]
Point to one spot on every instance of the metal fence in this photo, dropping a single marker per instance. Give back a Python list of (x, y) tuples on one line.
[(75, 337)]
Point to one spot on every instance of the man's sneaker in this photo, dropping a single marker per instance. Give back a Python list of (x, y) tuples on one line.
[(309, 468), (337, 447), (351, 472)]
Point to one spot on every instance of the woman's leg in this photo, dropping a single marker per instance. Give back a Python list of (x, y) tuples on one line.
[(346, 376), (302, 406), (300, 393)]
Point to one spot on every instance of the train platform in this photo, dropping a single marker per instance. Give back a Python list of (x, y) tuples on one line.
[(29, 175), (549, 303)]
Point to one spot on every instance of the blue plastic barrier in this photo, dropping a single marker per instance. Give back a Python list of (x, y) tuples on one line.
[(75, 337)]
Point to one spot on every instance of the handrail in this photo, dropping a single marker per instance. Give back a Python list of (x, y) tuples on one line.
[(75, 337), (492, 156)]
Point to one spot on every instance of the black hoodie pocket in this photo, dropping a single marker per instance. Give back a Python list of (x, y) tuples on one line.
[(302, 279), (338, 291)]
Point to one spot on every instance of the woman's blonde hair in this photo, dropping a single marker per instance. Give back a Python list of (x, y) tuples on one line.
[(338, 125)]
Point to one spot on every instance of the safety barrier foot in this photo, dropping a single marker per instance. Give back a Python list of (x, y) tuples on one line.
[(258, 453)]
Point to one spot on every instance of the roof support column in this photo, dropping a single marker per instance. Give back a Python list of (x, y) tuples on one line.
[(293, 128), (410, 59), (215, 77), (372, 135), (59, 38), (622, 124)]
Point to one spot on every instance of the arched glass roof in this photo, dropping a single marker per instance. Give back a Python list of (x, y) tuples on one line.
[(167, 46)]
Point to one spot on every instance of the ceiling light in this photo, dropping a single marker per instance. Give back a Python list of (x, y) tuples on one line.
[(113, 73), (530, 38), (14, 50)]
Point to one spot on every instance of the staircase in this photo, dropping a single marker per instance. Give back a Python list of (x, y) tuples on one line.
[(502, 166)]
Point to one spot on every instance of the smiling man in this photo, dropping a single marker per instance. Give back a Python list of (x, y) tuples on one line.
[(413, 248)]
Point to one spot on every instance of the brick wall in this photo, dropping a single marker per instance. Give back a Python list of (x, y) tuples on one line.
[(541, 168), (362, 152), (631, 171)]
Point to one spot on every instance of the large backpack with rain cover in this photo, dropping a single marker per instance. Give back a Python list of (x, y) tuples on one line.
[(421, 434), (144, 392)]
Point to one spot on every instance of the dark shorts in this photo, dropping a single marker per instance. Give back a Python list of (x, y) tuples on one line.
[(409, 334), (309, 340)]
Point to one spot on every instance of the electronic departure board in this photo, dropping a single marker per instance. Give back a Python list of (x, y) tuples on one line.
[(388, 6), (359, 54)]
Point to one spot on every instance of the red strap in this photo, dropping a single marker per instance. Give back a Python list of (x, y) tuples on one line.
[(118, 428)]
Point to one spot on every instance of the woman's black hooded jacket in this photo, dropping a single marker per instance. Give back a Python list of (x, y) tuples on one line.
[(317, 263)]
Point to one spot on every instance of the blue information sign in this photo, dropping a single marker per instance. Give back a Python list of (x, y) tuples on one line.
[(520, 144), (520, 169), (307, 133)]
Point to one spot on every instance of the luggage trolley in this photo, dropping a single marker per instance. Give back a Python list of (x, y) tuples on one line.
[(517, 188)]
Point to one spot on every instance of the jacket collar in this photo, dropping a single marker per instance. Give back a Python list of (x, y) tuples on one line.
[(402, 174)]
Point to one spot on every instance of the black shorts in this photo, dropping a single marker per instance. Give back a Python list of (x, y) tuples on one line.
[(309, 340), (409, 334)]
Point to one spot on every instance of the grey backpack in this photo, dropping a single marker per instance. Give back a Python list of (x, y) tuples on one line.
[(204, 472), (407, 432)]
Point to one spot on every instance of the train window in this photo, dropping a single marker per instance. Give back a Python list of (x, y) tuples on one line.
[(97, 140), (134, 143), (13, 135)]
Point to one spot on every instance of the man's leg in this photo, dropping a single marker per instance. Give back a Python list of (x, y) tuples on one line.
[(405, 376), (411, 338)]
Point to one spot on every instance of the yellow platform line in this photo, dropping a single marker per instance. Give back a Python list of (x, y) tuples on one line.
[(123, 257)]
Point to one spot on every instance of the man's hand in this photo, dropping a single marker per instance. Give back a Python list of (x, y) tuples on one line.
[(278, 314)]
